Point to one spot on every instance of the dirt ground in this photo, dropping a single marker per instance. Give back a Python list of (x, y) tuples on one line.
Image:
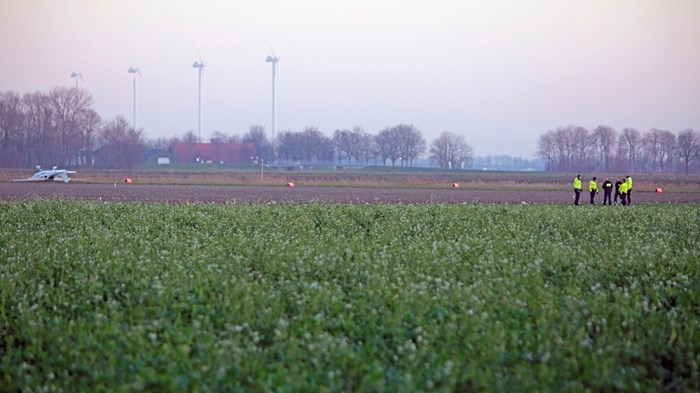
[(263, 194)]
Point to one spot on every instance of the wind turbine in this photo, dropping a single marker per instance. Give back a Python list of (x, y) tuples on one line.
[(77, 76), (134, 71), (199, 65), (273, 59)]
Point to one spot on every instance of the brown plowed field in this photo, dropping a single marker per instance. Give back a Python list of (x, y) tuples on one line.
[(267, 194)]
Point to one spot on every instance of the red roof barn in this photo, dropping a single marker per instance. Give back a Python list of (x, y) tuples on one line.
[(216, 153)]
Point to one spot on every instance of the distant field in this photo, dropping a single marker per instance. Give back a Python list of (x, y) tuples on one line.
[(330, 297), (370, 177), (185, 194)]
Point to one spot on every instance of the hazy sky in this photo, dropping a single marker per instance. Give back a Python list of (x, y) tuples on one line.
[(498, 72)]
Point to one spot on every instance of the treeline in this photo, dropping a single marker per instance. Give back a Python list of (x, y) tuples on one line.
[(61, 128), (506, 163), (400, 145), (576, 149)]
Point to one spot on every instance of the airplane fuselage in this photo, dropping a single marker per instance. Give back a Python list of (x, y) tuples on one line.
[(47, 175)]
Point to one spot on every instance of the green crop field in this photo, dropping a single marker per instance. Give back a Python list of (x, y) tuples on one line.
[(323, 297)]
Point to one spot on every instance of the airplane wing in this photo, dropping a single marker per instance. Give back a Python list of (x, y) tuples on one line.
[(27, 180)]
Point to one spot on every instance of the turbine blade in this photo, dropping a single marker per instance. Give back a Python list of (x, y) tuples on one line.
[(82, 78), (199, 54), (268, 44), (143, 77)]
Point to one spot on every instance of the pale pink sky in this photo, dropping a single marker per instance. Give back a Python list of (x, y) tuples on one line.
[(498, 72)]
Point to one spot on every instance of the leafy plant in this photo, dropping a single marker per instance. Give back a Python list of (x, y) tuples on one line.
[(314, 297)]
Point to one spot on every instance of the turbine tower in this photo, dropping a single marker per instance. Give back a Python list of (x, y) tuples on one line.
[(77, 76), (199, 65), (134, 71), (273, 59)]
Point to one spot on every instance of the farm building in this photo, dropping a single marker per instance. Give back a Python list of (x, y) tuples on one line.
[(160, 156)]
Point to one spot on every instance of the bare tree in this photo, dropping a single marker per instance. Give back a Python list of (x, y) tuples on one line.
[(160, 143), (11, 127), (37, 115), (566, 143), (387, 144), (89, 122), (450, 150), (218, 137), (317, 147), (190, 137), (667, 143), (548, 150), (257, 136), (565, 149), (411, 143), (582, 143), (365, 149), (622, 155), (688, 146), (308, 146), (122, 146), (355, 143), (67, 104), (342, 142), (604, 138), (651, 142), (286, 146), (634, 145)]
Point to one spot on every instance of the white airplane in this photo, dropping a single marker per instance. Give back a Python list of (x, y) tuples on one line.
[(48, 174)]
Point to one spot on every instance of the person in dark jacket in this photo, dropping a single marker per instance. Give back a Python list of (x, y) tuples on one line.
[(607, 191), (617, 190)]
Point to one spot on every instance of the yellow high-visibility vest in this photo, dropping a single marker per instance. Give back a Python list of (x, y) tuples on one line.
[(623, 188), (592, 186), (577, 183)]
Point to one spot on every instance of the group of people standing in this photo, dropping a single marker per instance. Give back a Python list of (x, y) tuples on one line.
[(623, 190)]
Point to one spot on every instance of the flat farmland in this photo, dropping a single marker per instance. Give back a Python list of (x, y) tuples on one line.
[(374, 177), (267, 194), (381, 282)]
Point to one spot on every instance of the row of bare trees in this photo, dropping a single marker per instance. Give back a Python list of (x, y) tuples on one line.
[(575, 148), (399, 145), (61, 128)]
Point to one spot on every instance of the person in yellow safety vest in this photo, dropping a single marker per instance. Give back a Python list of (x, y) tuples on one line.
[(617, 189), (593, 188), (628, 180), (577, 189), (623, 193)]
